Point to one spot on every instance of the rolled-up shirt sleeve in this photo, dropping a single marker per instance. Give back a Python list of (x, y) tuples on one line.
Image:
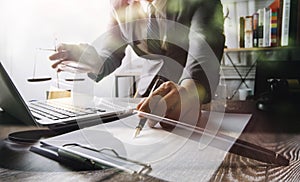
[(111, 45), (206, 44)]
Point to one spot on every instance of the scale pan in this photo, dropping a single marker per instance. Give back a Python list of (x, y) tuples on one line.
[(74, 79), (38, 79)]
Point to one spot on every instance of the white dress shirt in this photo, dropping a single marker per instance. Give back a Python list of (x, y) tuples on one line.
[(148, 68)]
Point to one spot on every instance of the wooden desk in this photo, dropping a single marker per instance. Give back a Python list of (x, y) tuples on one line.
[(18, 164), (274, 132)]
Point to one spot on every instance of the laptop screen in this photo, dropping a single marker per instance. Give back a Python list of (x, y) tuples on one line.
[(11, 101)]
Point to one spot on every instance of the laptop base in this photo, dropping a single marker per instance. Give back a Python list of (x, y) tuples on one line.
[(30, 136)]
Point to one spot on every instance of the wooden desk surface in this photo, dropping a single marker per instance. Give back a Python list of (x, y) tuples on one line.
[(261, 130)]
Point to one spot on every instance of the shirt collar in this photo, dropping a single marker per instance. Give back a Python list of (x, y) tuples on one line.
[(160, 5)]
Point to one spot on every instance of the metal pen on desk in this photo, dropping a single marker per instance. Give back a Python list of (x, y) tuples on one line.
[(142, 122), (238, 146)]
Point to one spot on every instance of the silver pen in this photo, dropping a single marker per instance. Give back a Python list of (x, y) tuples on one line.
[(142, 121)]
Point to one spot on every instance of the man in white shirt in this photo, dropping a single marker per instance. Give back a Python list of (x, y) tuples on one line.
[(188, 44)]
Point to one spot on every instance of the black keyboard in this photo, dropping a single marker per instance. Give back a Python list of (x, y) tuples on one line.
[(56, 111)]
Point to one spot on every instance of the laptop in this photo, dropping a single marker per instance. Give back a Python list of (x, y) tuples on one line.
[(58, 113)]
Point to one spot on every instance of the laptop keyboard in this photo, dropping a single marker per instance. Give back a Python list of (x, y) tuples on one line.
[(56, 111)]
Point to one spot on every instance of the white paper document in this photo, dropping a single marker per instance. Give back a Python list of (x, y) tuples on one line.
[(177, 155)]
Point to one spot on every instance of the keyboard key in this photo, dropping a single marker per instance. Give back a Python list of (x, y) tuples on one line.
[(55, 110)]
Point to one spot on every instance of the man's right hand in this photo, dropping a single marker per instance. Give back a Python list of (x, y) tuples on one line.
[(76, 58)]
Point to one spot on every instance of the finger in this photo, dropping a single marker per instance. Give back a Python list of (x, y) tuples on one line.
[(193, 117), (60, 55), (167, 126), (172, 101), (59, 70), (60, 47), (151, 123), (162, 90), (150, 104), (171, 97), (151, 107), (155, 103), (140, 104), (54, 65), (146, 107), (173, 110), (65, 47), (57, 63), (157, 109)]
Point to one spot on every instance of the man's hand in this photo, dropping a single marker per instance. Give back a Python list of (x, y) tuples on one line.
[(178, 102), (82, 58)]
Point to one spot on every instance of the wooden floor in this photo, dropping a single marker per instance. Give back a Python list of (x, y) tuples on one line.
[(271, 135)]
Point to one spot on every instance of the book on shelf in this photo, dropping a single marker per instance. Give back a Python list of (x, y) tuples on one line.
[(274, 27), (261, 16), (264, 27), (277, 24), (248, 32), (290, 23), (294, 21), (285, 22), (245, 32), (267, 27), (255, 29), (242, 32)]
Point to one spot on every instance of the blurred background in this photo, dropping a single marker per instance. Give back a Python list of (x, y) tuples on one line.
[(29, 25)]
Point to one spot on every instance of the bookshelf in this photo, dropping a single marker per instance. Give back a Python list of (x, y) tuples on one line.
[(274, 25), (239, 62)]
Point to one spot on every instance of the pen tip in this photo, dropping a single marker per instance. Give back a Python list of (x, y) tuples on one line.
[(281, 160), (137, 132)]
